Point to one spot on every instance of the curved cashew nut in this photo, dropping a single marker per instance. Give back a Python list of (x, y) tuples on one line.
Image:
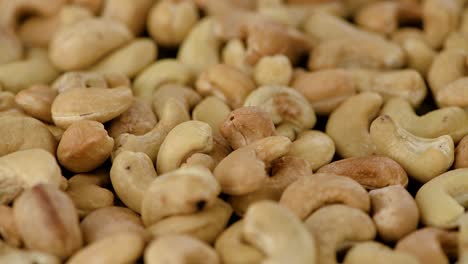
[(268, 226), (246, 125), (227, 83), (203, 111), (453, 94), (322, 145), (357, 52), (182, 191), (441, 199), (201, 48), (422, 158), (232, 247), (395, 212), (284, 171), (451, 121), (34, 69), (41, 168), (284, 104), (439, 19), (181, 142), (448, 66), (179, 249), (351, 134), (372, 172), (132, 14), (205, 225), (369, 252), (109, 221), (131, 174), (407, 84), (171, 104), (255, 159), (308, 194), (428, 245), (336, 226), (159, 73), (11, 11)]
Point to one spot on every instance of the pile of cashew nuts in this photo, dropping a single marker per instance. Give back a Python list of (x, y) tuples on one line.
[(233, 131)]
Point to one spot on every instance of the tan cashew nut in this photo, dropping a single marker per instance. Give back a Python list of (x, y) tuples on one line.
[(372, 172), (205, 225), (285, 105), (429, 245), (203, 111), (159, 73), (196, 188), (308, 194), (232, 247), (451, 121), (179, 249), (69, 48), (441, 200), (26, 168), (422, 158), (246, 125), (255, 159), (268, 226), (322, 145), (351, 135), (226, 82), (337, 226), (131, 174), (395, 212), (181, 142), (374, 252)]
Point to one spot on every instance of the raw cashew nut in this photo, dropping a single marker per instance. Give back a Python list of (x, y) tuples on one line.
[(351, 134), (161, 72), (372, 172), (233, 249), (34, 69), (26, 168), (170, 22), (36, 101), (46, 206), (357, 52), (285, 105), (407, 84), (98, 104), (255, 159), (205, 225), (130, 13), (23, 132), (453, 94), (130, 59), (273, 70), (179, 249), (70, 47), (131, 174), (441, 200), (429, 245), (448, 66), (181, 142), (422, 158), (395, 212), (203, 111), (326, 89), (227, 83), (451, 121), (119, 248), (84, 146), (337, 226), (440, 18), (308, 194), (137, 120), (284, 171), (109, 221), (268, 227), (314, 146), (201, 48), (89, 197), (179, 192), (246, 125), (374, 252)]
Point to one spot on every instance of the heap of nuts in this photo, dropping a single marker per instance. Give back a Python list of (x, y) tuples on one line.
[(233, 131)]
